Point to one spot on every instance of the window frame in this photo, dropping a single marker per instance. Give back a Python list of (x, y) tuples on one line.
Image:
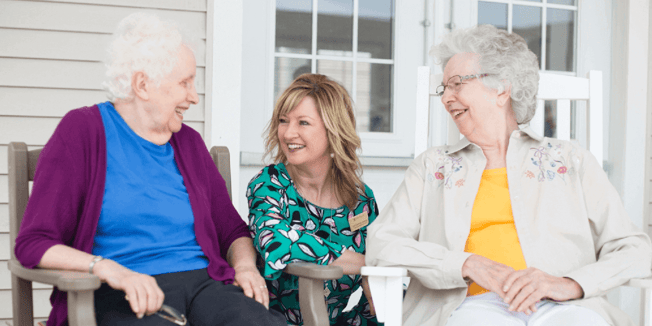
[(544, 16), (400, 141)]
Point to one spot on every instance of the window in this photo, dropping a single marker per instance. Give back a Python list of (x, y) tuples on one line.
[(525, 18), (349, 41), (369, 46), (557, 53)]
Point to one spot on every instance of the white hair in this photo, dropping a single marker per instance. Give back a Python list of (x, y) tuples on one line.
[(505, 56), (141, 43)]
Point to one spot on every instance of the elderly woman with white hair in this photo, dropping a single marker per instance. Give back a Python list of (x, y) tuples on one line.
[(124, 190), (505, 227)]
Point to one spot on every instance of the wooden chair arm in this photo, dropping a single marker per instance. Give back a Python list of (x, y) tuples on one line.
[(311, 290), (314, 271), (63, 280)]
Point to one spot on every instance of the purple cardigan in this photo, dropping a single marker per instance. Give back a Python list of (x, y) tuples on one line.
[(67, 194)]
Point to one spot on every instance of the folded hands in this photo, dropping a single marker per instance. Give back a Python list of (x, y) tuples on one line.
[(520, 289)]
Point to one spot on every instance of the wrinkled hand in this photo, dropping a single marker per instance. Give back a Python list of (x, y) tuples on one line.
[(143, 293), (490, 275), (486, 273), (367, 292), (248, 278), (526, 287)]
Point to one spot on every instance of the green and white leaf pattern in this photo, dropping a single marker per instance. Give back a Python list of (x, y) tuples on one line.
[(286, 228)]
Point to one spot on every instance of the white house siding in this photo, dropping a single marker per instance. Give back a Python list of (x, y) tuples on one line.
[(50, 63)]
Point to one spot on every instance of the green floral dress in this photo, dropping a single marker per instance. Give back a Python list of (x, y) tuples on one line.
[(287, 228)]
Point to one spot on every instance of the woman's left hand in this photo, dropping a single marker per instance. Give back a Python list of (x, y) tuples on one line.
[(248, 278), (524, 288)]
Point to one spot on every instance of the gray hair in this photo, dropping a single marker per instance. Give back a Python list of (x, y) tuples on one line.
[(505, 56), (141, 43)]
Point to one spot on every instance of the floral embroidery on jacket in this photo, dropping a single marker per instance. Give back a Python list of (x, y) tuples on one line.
[(550, 163), (446, 167), (529, 174)]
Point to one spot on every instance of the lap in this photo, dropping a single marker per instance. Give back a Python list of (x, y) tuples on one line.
[(219, 304), (563, 315), (484, 310), (203, 300), (489, 309)]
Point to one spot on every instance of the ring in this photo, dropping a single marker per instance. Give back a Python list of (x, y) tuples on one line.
[(263, 286)]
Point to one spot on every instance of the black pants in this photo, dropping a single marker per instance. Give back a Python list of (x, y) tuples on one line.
[(201, 299)]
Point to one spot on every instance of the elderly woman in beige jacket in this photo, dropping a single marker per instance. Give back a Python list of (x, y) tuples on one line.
[(505, 227)]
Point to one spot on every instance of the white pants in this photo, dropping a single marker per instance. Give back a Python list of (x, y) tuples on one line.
[(488, 309)]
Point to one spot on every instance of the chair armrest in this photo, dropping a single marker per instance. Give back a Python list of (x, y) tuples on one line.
[(63, 280), (386, 286), (311, 290), (314, 271), (640, 282)]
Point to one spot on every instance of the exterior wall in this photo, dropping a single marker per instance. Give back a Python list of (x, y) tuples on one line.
[(50, 63)]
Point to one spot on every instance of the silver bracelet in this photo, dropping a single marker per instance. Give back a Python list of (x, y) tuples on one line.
[(96, 259)]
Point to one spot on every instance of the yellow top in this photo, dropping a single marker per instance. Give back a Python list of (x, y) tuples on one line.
[(493, 234)]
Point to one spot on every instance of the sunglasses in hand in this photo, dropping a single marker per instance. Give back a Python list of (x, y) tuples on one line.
[(170, 314)]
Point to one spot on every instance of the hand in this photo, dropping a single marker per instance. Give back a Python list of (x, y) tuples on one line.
[(486, 273), (143, 293), (367, 293), (248, 278), (526, 287), (490, 275)]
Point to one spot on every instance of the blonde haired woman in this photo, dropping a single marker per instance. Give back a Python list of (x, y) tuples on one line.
[(312, 206)]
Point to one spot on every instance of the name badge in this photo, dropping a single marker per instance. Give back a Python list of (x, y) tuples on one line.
[(359, 221)]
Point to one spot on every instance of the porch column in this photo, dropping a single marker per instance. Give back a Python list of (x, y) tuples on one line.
[(226, 89)]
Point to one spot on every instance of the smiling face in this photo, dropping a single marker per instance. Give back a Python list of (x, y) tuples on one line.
[(473, 107), (176, 92), (302, 135)]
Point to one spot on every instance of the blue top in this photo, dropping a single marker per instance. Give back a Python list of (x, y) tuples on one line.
[(146, 223)]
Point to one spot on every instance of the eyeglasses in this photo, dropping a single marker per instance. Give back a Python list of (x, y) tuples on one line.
[(455, 83), (170, 314)]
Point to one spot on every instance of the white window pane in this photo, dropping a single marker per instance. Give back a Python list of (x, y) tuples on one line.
[(526, 22), (335, 27), (560, 40), (563, 2), (373, 103), (339, 71), (493, 14), (294, 26), (286, 70), (532, 0), (375, 30)]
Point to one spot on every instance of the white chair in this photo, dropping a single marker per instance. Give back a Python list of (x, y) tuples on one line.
[(386, 282)]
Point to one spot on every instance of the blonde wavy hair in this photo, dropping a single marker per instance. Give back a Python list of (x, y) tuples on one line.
[(336, 110)]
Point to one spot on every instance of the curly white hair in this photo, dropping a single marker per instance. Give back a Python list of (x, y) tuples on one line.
[(142, 42), (505, 56)]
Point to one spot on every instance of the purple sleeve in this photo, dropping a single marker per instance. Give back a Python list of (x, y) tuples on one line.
[(229, 225), (53, 210)]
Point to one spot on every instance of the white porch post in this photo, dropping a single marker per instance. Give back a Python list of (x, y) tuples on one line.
[(628, 122), (227, 76)]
